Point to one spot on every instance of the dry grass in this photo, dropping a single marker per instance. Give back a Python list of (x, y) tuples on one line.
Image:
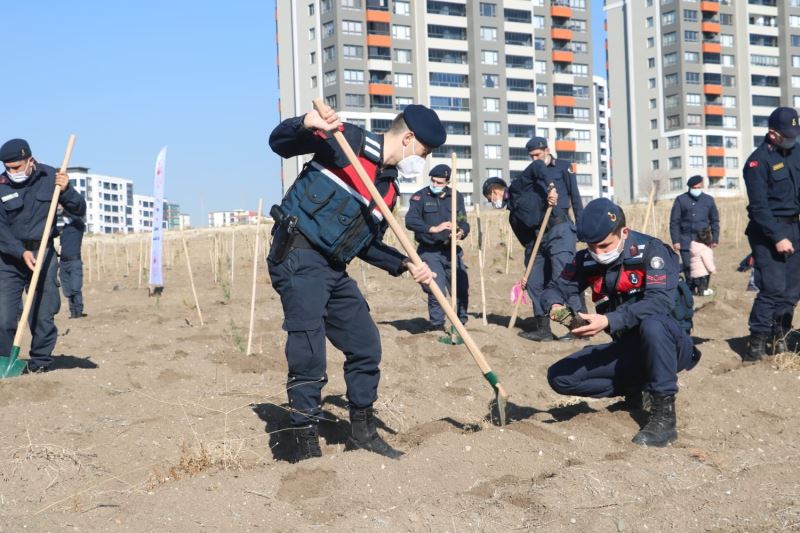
[(787, 362)]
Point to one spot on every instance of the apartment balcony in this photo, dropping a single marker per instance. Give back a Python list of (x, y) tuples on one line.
[(384, 41), (560, 9), (565, 101), (382, 89), (561, 34), (715, 151), (709, 7), (714, 110), (563, 56), (710, 27), (712, 89), (715, 172), (378, 16), (711, 47), (565, 146)]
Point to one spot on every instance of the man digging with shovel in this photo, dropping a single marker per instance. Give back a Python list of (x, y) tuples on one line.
[(26, 190), (325, 220)]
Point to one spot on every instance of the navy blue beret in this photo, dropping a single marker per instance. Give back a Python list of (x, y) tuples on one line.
[(597, 220), (536, 143), (15, 150), (694, 180), (492, 181), (784, 120), (440, 171), (425, 124)]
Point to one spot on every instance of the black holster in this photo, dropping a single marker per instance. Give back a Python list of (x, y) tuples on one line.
[(283, 235)]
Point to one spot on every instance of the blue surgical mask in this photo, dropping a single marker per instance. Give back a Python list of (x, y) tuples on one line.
[(695, 192), (436, 190)]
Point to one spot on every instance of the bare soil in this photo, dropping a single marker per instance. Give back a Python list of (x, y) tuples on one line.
[(153, 422)]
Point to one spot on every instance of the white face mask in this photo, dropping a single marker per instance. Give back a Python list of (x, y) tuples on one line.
[(607, 258), (19, 177), (695, 192), (499, 204), (413, 165)]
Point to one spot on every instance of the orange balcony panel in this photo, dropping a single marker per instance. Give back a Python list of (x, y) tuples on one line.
[(713, 110), (716, 172), (566, 101), (378, 16), (565, 146), (561, 11), (712, 7), (712, 48), (712, 89), (382, 89), (562, 56), (379, 40), (715, 151), (709, 27), (561, 34)]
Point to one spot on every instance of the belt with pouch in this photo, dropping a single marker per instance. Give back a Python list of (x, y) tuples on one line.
[(70, 258)]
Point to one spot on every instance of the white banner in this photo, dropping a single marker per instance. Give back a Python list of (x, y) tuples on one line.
[(156, 276)]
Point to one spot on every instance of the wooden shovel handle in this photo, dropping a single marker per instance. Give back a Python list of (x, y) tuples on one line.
[(48, 226), (532, 258), (480, 360)]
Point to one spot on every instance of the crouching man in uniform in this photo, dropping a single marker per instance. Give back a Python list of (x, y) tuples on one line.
[(634, 279), (326, 219)]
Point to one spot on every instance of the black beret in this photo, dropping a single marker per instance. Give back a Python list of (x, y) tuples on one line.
[(536, 143), (425, 124), (15, 150), (784, 120), (597, 220), (440, 171), (492, 181), (694, 180)]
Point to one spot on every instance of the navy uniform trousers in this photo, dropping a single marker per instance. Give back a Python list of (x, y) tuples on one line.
[(778, 280), (439, 263), (71, 276), (15, 276), (555, 252), (321, 301), (647, 357)]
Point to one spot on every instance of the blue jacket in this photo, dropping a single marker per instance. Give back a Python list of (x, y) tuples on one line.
[(560, 174), (290, 138), (426, 209), (691, 215), (646, 285), (24, 208), (772, 178), (71, 236)]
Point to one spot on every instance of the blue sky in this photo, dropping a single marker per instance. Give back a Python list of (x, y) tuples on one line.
[(130, 77)]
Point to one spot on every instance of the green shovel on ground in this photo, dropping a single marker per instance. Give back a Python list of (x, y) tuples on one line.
[(11, 366)]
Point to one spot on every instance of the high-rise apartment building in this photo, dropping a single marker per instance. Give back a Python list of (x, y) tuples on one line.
[(691, 84), (109, 200), (498, 72)]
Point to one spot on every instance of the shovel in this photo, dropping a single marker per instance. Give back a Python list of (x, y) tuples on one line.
[(480, 360), (453, 338), (11, 366)]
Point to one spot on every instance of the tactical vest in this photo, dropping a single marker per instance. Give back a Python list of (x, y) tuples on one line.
[(335, 211)]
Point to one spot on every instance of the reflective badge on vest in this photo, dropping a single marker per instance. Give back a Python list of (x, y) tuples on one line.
[(777, 166)]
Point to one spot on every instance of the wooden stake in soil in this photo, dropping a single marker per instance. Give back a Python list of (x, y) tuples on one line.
[(480, 260), (255, 279), (141, 262), (649, 209), (191, 278), (508, 246), (453, 241), (233, 256)]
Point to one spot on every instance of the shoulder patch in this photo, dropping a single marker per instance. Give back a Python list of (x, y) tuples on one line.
[(752, 164), (416, 197), (656, 263)]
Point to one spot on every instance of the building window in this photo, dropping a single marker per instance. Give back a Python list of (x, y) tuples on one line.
[(491, 104), (491, 81), (401, 7), (693, 99), (675, 162), (352, 27), (355, 77), (695, 140), (351, 51), (488, 33), (405, 81), (401, 32), (696, 161), (329, 78), (693, 119), (491, 128), (488, 10), (540, 67), (691, 57), (674, 142), (490, 57), (492, 151), (402, 55), (312, 33), (355, 100)]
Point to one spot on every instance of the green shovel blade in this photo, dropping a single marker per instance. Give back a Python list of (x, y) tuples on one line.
[(11, 366)]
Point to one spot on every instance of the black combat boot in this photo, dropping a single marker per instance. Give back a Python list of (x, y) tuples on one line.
[(660, 430), (778, 341), (365, 435), (307, 443), (542, 333), (756, 347), (636, 399)]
